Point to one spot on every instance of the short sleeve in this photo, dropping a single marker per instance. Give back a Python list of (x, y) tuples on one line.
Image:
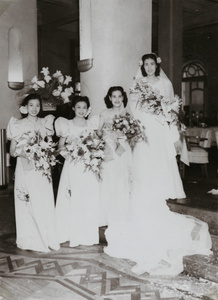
[(14, 129), (94, 122), (49, 119), (62, 127)]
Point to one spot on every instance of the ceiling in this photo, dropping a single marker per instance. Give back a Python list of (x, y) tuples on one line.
[(64, 15)]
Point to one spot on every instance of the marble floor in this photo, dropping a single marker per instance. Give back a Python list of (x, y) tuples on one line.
[(88, 273)]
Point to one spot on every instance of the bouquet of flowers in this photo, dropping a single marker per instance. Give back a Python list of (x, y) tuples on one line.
[(150, 101), (130, 128), (54, 88), (87, 149), (39, 150)]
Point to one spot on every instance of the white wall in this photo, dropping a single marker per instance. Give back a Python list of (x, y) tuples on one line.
[(22, 14)]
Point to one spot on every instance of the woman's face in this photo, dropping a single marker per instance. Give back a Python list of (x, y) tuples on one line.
[(150, 66), (116, 98), (33, 107), (80, 109)]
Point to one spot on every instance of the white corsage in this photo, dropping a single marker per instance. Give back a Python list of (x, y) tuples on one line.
[(159, 60), (140, 63), (23, 110)]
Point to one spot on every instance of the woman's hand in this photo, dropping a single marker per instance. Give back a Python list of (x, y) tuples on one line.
[(100, 127), (177, 145)]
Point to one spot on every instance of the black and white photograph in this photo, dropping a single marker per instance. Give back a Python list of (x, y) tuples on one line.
[(109, 150)]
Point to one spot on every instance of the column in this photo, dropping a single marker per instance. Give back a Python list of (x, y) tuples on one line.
[(170, 40), (120, 35)]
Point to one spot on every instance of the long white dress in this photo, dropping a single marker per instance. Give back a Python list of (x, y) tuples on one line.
[(115, 189), (77, 205), (158, 155), (156, 238), (35, 219)]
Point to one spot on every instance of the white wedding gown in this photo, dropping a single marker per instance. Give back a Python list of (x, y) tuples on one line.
[(156, 238)]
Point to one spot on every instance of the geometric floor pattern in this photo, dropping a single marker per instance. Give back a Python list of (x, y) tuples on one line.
[(85, 278), (86, 273), (83, 273)]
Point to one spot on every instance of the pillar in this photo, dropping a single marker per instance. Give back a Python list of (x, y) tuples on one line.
[(170, 40), (120, 35)]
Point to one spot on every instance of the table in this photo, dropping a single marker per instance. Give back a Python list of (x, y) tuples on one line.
[(199, 131)]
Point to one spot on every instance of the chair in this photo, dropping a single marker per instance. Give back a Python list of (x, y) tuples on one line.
[(199, 154), (216, 135)]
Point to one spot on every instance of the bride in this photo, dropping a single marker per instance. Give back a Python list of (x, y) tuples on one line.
[(156, 238)]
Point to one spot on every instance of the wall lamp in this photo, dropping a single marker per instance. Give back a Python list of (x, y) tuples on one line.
[(86, 61), (15, 60)]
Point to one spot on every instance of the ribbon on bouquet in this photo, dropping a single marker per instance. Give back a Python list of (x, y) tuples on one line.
[(113, 145), (119, 149)]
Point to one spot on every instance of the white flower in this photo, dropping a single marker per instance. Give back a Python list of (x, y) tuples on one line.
[(94, 162), (41, 83), (23, 110), (56, 93), (159, 60), (66, 100), (57, 74), (61, 79), (65, 97), (47, 78), (45, 71), (44, 145), (35, 87), (67, 80), (34, 79), (140, 63), (69, 91)]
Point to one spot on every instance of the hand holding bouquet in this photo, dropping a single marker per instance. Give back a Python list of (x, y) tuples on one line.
[(130, 128), (38, 151), (89, 150), (149, 100)]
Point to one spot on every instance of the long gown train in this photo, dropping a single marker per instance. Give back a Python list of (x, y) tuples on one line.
[(155, 237)]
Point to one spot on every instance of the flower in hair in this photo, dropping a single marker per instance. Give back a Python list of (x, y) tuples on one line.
[(140, 62), (88, 112), (23, 110), (159, 60)]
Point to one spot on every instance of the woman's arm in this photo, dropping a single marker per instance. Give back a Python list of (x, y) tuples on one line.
[(100, 126), (14, 151), (13, 148), (61, 143)]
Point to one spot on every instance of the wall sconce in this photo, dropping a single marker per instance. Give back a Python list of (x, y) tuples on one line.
[(86, 60), (15, 61), (85, 64)]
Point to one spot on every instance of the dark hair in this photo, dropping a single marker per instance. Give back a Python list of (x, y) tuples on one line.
[(75, 100), (151, 56), (32, 96), (109, 94)]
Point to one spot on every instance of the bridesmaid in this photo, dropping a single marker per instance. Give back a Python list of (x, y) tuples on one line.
[(33, 192), (115, 186), (78, 191)]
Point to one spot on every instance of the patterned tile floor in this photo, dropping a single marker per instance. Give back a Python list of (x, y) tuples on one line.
[(86, 272)]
